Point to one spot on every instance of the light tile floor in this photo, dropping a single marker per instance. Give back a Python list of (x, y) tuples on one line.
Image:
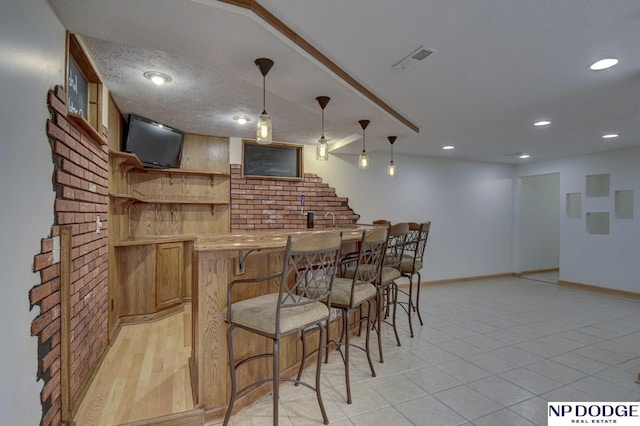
[(490, 352)]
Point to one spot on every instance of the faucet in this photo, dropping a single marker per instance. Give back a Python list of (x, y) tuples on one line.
[(333, 218)]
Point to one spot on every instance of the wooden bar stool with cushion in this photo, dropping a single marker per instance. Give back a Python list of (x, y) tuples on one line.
[(413, 261), (349, 294), (302, 301)]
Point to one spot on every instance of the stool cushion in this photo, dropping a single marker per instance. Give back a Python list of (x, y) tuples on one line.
[(407, 265), (341, 292), (389, 274), (259, 313)]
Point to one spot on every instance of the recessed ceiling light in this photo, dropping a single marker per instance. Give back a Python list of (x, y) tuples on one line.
[(241, 119), (542, 123), (448, 147), (158, 78), (610, 136), (603, 64), (523, 156)]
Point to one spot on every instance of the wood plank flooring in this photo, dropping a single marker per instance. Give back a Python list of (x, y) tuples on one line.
[(145, 374)]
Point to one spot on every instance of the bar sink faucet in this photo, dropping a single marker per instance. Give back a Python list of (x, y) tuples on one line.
[(333, 218)]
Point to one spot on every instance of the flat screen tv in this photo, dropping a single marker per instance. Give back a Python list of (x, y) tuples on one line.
[(156, 145)]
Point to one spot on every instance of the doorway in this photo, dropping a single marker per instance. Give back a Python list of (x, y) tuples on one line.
[(538, 227)]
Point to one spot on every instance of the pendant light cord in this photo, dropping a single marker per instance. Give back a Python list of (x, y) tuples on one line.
[(264, 92), (363, 139)]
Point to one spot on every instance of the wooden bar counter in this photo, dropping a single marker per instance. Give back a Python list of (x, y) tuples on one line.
[(217, 260)]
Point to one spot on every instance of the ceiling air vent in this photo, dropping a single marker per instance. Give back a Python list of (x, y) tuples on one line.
[(412, 61)]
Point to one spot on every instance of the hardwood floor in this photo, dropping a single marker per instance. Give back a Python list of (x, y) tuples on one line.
[(145, 374)]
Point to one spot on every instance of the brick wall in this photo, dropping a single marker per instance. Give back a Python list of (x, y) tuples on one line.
[(275, 204), (80, 181)]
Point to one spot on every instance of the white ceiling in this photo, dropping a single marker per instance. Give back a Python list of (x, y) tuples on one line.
[(498, 66)]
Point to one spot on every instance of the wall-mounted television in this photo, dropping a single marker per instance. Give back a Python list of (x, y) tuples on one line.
[(156, 145)]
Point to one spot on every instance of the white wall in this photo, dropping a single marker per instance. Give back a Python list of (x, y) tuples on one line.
[(32, 43), (469, 204), (538, 222), (602, 260)]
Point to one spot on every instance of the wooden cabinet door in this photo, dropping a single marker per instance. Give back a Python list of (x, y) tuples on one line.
[(169, 274)]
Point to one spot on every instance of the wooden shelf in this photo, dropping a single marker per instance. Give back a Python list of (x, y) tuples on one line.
[(159, 239), (127, 159), (84, 126), (132, 161), (120, 199)]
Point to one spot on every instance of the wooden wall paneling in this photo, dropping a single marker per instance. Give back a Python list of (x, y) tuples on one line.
[(169, 273), (113, 296), (168, 219), (198, 187), (149, 185), (137, 279), (210, 330), (142, 219), (204, 219), (188, 270), (114, 124), (202, 152)]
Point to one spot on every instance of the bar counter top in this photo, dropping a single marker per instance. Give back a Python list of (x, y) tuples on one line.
[(277, 238)]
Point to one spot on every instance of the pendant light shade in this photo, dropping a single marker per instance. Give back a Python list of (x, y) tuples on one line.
[(391, 170), (363, 160), (322, 150), (263, 129)]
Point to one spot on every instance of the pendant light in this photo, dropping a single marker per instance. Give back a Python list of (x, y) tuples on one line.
[(322, 150), (391, 170), (263, 130), (363, 160)]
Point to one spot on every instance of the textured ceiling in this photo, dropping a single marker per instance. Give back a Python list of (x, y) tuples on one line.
[(498, 66)]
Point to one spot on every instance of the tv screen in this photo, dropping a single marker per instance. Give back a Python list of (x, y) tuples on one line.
[(156, 145)]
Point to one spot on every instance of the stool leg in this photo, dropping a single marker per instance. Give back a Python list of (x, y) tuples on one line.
[(395, 305), (346, 357), (304, 356), (276, 381), (232, 367), (418, 299), (318, 394), (410, 306), (379, 321), (369, 312)]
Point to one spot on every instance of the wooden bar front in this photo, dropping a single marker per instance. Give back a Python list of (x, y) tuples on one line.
[(216, 261)]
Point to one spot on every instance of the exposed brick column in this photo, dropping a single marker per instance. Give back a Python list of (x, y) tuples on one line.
[(81, 185)]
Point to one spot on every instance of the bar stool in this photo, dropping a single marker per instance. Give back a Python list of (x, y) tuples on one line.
[(350, 294), (413, 262), (385, 284), (302, 301)]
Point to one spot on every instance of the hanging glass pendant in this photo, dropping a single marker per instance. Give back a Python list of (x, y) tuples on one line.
[(263, 131), (263, 128), (363, 160), (391, 170), (322, 149)]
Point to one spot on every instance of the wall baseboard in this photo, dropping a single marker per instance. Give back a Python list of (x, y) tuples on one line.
[(194, 417), (598, 289), (465, 279), (139, 319), (536, 271)]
